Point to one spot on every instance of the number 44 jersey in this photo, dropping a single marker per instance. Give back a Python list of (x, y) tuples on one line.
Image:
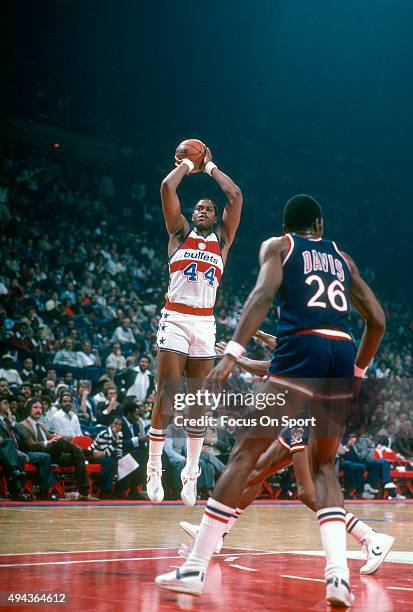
[(315, 290), (195, 271)]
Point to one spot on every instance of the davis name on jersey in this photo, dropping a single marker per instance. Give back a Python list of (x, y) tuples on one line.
[(195, 271), (315, 290)]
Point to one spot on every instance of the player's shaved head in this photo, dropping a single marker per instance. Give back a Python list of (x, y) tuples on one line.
[(301, 212)]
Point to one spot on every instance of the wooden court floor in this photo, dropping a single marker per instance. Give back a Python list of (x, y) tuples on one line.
[(106, 556)]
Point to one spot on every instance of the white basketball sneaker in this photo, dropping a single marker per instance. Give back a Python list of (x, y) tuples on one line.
[(190, 582), (338, 593), (154, 486), (192, 531), (189, 491), (376, 548)]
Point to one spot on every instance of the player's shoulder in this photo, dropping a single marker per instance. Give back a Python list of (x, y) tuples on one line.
[(276, 245)]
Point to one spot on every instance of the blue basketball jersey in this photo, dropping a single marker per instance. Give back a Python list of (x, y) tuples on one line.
[(315, 290)]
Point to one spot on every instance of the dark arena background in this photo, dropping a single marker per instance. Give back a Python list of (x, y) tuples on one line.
[(291, 97)]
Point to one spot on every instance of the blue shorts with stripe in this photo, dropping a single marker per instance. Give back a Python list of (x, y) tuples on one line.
[(306, 361)]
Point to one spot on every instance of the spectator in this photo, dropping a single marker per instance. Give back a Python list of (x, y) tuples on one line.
[(65, 422), (403, 440), (139, 381), (10, 457), (107, 450), (134, 442), (88, 357), (6, 371), (105, 411), (38, 438), (354, 481), (85, 408), (28, 372), (116, 359), (67, 356), (124, 334), (363, 449)]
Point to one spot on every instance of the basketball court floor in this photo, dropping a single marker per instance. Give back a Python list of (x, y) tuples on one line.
[(104, 557)]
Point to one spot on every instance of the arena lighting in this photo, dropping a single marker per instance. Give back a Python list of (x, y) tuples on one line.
[(56, 145)]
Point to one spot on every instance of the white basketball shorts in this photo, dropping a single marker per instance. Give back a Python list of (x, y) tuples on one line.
[(187, 334)]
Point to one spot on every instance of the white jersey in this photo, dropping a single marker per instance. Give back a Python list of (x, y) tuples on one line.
[(195, 271)]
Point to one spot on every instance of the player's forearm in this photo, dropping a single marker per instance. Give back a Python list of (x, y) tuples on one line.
[(253, 366), (172, 181), (231, 190), (370, 342), (253, 314)]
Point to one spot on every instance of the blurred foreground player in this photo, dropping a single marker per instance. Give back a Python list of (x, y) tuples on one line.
[(186, 334), (315, 284), (291, 448)]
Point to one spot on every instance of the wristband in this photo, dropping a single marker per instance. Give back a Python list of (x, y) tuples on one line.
[(234, 349), (359, 372), (189, 163), (209, 167)]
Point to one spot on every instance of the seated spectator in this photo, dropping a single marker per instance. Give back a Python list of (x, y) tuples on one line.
[(116, 359), (88, 357), (67, 356), (124, 334), (26, 389), (377, 469), (138, 381), (65, 422), (354, 480), (105, 411), (107, 449), (86, 408), (8, 372), (5, 388), (11, 458), (28, 372), (135, 443), (403, 440), (36, 437), (49, 410)]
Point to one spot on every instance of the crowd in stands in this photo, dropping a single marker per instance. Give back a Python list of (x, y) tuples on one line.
[(82, 281)]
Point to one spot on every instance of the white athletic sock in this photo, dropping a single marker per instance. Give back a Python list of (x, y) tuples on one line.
[(332, 523), (156, 444), (233, 519), (357, 529), (213, 526), (194, 444)]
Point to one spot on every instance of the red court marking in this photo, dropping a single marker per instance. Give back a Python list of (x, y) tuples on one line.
[(100, 581)]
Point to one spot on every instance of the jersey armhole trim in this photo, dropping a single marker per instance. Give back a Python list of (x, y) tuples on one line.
[(179, 246), (290, 250), (341, 255)]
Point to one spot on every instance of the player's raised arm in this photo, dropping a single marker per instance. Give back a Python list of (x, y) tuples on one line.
[(366, 304), (257, 305), (175, 222), (232, 211)]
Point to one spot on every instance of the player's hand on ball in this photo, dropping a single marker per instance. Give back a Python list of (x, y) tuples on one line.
[(178, 162), (207, 158)]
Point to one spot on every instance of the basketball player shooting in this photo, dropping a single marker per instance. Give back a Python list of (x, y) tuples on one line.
[(315, 283), (186, 334)]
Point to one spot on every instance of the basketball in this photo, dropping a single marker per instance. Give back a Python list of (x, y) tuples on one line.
[(192, 149)]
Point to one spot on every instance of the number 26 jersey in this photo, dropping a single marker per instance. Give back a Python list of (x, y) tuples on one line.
[(315, 290)]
